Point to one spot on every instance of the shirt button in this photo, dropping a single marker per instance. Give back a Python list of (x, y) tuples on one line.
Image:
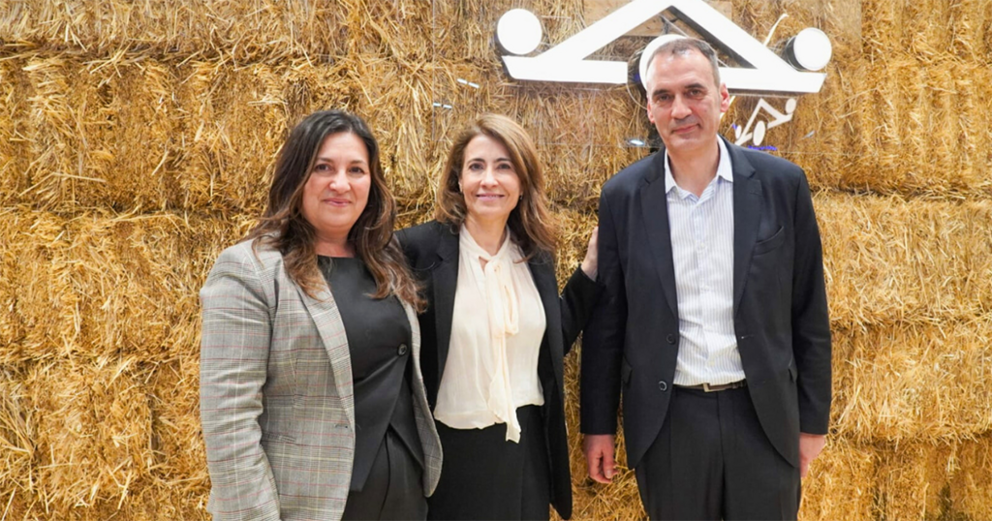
[(663, 386), (671, 339), (402, 350)]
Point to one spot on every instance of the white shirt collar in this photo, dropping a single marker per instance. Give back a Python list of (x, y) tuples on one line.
[(724, 168)]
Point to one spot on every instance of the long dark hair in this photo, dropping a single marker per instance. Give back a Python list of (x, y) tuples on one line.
[(530, 221), (284, 227)]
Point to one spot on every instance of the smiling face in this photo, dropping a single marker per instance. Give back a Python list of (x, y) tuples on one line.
[(685, 102), (488, 181), (337, 191)]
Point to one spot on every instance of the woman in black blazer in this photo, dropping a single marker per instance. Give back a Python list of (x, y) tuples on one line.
[(496, 331)]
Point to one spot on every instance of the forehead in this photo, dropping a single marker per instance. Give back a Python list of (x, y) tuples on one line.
[(485, 146), (671, 71), (343, 143)]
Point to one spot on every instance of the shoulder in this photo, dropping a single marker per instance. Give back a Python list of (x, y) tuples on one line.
[(632, 177), (423, 239), (769, 167), (248, 258)]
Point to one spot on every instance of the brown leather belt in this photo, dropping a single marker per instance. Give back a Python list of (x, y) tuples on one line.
[(714, 388)]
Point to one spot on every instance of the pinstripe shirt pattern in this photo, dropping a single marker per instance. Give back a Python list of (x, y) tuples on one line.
[(702, 231), (276, 395)]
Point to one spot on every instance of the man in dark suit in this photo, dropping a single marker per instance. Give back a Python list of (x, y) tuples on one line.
[(714, 319)]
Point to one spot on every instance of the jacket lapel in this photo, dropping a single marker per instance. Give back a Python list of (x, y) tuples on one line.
[(445, 279), (327, 318), (542, 270), (654, 207), (747, 216)]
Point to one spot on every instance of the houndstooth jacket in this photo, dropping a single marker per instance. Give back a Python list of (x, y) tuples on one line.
[(276, 396)]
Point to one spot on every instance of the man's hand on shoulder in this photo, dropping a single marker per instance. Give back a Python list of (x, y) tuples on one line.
[(599, 456)]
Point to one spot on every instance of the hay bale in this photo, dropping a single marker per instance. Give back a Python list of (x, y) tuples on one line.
[(840, 482), (891, 260), (217, 27), (914, 382), (14, 158), (93, 432), (38, 321), (104, 284), (180, 463), (924, 481), (18, 432)]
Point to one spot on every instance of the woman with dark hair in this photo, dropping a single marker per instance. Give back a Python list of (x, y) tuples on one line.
[(311, 395), (496, 331)]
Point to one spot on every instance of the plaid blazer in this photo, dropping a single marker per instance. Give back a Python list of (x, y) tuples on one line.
[(276, 395)]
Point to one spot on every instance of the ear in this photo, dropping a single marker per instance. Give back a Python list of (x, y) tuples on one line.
[(650, 112), (724, 98)]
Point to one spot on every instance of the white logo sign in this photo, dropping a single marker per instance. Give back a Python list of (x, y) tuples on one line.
[(519, 32)]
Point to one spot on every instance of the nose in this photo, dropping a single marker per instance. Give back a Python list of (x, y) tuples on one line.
[(680, 109), (339, 182), (488, 177)]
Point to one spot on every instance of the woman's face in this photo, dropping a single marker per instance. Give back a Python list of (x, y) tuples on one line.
[(338, 189), (488, 180)]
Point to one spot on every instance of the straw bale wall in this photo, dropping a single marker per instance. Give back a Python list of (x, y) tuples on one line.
[(137, 140)]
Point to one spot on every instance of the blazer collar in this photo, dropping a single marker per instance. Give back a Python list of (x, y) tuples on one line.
[(445, 279), (747, 216), (324, 312)]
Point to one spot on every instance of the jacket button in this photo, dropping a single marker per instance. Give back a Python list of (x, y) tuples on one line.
[(402, 350), (671, 339), (663, 386)]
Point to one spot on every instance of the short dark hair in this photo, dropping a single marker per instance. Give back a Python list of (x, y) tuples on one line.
[(685, 46)]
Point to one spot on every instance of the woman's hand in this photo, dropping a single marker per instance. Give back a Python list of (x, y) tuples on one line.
[(590, 264)]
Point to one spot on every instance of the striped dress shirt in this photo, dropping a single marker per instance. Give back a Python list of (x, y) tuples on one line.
[(702, 232)]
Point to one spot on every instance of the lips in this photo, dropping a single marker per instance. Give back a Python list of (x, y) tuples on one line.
[(489, 197), (336, 201)]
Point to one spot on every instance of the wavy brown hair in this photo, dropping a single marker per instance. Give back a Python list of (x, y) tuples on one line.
[(284, 227), (530, 221)]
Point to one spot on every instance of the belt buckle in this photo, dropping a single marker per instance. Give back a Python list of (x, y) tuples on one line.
[(708, 389)]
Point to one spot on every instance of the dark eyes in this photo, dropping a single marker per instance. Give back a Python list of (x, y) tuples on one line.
[(476, 167), (325, 168)]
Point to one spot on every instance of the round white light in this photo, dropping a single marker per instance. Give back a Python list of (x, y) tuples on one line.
[(642, 66), (519, 31), (812, 49)]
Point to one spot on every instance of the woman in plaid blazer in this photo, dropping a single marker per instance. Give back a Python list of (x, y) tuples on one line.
[(311, 395)]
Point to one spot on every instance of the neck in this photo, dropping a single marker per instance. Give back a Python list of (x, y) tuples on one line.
[(489, 234), (334, 247), (693, 171)]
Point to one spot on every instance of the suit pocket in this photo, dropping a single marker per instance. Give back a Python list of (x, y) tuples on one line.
[(625, 370), (769, 244)]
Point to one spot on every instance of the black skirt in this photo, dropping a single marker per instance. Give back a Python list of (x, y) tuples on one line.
[(486, 477)]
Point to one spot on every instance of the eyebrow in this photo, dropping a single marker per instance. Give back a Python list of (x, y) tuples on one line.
[(330, 160), (696, 85), (498, 159)]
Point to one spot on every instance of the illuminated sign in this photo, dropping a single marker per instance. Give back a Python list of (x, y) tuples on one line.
[(519, 32)]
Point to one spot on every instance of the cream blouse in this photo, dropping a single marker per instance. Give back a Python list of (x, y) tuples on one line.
[(496, 331)]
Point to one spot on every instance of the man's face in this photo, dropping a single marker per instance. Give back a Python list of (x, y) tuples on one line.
[(684, 101)]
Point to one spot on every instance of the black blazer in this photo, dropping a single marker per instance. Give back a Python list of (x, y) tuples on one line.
[(780, 304), (432, 249)]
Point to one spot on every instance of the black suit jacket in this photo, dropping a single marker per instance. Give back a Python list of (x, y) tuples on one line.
[(780, 305), (432, 249)]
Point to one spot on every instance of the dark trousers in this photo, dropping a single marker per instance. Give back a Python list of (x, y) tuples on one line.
[(712, 460), (394, 489)]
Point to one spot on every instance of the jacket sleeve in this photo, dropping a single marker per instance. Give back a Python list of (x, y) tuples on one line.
[(578, 300), (811, 342), (234, 354), (602, 343)]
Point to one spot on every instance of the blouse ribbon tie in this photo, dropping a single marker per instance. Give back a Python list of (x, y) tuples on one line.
[(504, 317)]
